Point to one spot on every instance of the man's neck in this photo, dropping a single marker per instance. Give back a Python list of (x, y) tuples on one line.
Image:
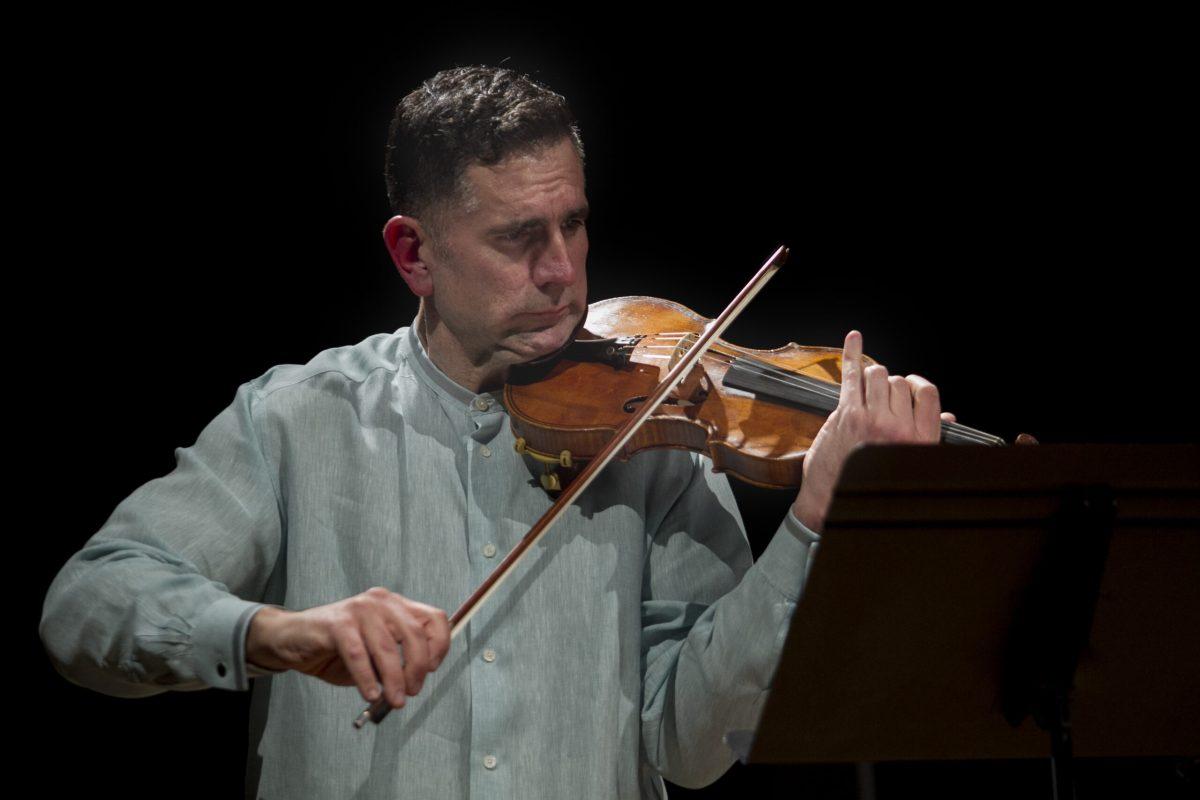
[(448, 355)]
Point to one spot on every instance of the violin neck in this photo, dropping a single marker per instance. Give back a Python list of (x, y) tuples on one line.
[(768, 381)]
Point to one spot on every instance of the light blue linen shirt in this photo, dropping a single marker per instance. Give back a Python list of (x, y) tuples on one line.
[(634, 636)]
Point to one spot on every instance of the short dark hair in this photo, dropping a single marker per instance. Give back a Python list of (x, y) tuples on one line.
[(463, 116)]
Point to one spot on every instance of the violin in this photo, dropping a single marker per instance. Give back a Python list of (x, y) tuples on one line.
[(754, 413), (652, 373)]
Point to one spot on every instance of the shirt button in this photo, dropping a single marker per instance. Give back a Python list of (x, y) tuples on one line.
[(482, 403), (489, 762), (489, 655), (485, 451), (489, 550)]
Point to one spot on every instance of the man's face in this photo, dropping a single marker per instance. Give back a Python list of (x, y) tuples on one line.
[(509, 272)]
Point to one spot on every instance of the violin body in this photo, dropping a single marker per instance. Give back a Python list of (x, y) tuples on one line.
[(566, 411)]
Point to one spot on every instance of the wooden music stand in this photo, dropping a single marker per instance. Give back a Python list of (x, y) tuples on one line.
[(958, 591)]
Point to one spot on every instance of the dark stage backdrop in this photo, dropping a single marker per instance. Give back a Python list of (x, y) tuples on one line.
[(997, 208)]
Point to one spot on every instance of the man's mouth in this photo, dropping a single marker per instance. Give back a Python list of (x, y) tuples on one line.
[(555, 313), (548, 318)]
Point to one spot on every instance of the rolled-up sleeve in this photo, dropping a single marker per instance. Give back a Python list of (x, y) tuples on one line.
[(713, 627), (162, 595)]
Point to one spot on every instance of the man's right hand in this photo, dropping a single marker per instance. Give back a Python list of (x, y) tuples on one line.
[(353, 642)]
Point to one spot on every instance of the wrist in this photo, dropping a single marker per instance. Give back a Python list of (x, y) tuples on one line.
[(810, 512), (261, 636)]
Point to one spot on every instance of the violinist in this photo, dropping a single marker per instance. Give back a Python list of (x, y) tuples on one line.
[(308, 544)]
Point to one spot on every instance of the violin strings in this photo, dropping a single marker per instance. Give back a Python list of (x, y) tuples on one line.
[(953, 431), (823, 392)]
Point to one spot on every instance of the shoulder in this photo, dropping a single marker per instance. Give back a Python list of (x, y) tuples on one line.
[(346, 365), (335, 371)]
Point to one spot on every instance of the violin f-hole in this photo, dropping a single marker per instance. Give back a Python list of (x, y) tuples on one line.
[(631, 405), (689, 393)]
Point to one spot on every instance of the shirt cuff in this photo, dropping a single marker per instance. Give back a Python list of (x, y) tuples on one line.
[(219, 643), (799, 529), (788, 556)]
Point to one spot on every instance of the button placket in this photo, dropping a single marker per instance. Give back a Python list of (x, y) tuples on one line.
[(492, 706)]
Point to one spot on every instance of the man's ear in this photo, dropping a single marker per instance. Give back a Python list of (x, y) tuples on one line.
[(403, 237)]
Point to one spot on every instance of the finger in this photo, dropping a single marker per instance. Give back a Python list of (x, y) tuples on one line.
[(927, 409), (411, 634), (852, 371), (386, 658), (900, 399), (948, 417), (353, 652), (877, 389), (437, 630)]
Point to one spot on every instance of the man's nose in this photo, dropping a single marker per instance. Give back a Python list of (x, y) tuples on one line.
[(554, 265)]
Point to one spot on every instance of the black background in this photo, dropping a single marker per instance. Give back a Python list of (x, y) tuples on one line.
[(1005, 206)]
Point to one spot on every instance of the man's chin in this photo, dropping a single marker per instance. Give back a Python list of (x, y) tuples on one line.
[(533, 345)]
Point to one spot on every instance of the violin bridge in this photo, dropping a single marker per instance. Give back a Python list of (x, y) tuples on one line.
[(692, 390)]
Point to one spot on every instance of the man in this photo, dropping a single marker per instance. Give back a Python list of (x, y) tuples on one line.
[(321, 525)]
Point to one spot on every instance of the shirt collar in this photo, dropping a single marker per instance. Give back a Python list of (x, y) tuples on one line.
[(442, 383)]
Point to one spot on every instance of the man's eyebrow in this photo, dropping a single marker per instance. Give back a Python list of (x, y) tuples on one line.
[(521, 225)]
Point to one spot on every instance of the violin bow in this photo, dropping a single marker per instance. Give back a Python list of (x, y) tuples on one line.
[(380, 708)]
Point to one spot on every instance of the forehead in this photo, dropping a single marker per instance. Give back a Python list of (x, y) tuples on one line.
[(538, 181)]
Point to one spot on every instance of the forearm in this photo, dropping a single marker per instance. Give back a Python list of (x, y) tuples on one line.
[(161, 596), (715, 679), (130, 620)]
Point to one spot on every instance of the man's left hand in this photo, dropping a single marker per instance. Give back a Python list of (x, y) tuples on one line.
[(873, 408)]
